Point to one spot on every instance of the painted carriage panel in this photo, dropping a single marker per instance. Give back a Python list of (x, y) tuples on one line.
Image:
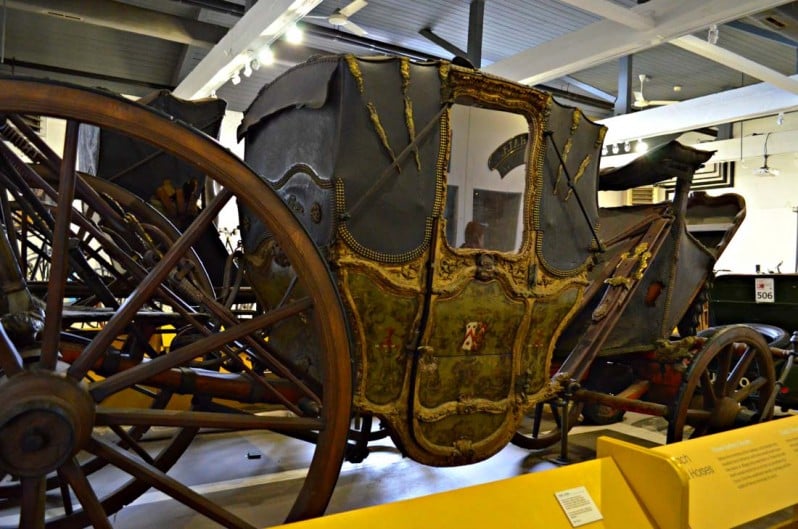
[(385, 321)]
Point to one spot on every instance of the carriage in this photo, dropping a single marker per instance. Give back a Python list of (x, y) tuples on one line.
[(421, 243)]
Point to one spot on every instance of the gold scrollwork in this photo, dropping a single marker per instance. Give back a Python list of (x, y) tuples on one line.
[(642, 256)]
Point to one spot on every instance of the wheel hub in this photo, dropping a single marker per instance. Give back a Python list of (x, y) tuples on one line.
[(44, 420), (724, 414)]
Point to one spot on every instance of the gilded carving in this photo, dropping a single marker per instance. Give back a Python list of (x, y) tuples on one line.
[(642, 256)]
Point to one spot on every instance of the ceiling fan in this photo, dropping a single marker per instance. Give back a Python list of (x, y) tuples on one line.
[(340, 17), (641, 101)]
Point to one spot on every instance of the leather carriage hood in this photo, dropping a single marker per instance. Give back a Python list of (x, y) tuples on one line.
[(307, 85), (368, 131), (670, 160)]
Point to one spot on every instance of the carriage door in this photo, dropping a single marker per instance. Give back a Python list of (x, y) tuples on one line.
[(464, 377)]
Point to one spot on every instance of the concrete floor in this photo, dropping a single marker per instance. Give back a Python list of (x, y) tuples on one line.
[(256, 475), (219, 467)]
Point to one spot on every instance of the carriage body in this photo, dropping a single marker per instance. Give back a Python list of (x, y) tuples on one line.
[(389, 164)]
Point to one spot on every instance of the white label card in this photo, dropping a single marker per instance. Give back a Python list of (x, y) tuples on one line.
[(578, 506), (763, 290)]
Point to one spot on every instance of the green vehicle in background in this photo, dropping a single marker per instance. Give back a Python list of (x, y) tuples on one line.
[(767, 302)]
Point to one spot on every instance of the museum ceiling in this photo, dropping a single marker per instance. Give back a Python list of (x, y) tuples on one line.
[(680, 49)]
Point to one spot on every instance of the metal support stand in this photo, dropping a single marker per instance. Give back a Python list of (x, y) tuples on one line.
[(564, 402)]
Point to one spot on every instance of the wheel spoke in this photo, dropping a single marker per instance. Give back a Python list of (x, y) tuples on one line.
[(707, 389), (32, 505), (124, 461), (746, 391), (59, 263), (88, 499), (696, 418), (128, 441), (183, 355), (10, 359), (66, 497), (201, 419), (723, 365), (741, 367), (147, 288)]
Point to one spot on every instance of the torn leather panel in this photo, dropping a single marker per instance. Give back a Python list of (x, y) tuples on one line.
[(305, 85), (565, 239)]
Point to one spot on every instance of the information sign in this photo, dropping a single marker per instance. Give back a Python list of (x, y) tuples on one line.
[(763, 290)]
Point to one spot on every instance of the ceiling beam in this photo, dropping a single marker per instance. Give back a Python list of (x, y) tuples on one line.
[(614, 12), (589, 88), (443, 43), (125, 17), (739, 104), (763, 33), (605, 40), (261, 25), (737, 62)]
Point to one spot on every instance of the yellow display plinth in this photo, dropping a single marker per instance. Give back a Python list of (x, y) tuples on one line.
[(730, 478), (522, 502), (719, 481)]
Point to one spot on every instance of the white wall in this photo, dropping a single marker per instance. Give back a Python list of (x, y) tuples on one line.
[(768, 234)]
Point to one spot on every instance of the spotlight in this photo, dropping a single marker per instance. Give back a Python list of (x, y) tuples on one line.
[(641, 146), (266, 56), (627, 147), (611, 148), (294, 35), (236, 79), (247, 70), (254, 64)]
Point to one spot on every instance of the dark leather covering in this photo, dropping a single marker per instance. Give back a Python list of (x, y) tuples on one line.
[(394, 219), (294, 149), (670, 160), (330, 132), (118, 153), (305, 85), (560, 213), (142, 169)]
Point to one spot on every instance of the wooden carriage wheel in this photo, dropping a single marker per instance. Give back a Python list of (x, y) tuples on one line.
[(52, 412), (729, 384), (33, 250)]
